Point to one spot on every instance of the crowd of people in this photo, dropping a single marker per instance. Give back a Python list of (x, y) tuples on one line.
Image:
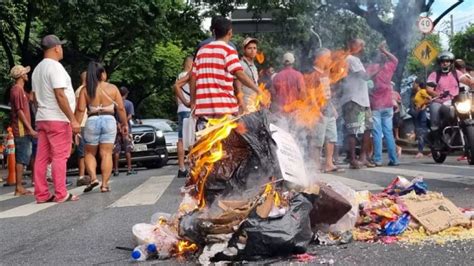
[(360, 110), (363, 110), (47, 120)]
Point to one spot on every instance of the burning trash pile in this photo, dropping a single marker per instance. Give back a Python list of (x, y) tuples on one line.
[(248, 197)]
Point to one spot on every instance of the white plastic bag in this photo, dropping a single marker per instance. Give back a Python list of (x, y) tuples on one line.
[(189, 132)]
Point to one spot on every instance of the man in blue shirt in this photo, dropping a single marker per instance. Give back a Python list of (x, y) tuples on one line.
[(124, 142)]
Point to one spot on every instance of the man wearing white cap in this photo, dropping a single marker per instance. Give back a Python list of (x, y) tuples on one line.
[(55, 121), (21, 124), (288, 84)]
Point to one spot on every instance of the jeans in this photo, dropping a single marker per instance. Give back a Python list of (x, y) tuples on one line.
[(54, 147), (421, 128), (383, 125), (438, 112)]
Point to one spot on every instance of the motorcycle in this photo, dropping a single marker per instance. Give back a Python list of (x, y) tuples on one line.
[(457, 129)]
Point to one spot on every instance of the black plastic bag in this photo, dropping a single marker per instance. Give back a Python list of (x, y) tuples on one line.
[(287, 234)]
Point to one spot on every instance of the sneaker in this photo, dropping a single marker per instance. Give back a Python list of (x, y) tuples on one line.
[(116, 173), (131, 172), (182, 174), (68, 183), (378, 164), (393, 164)]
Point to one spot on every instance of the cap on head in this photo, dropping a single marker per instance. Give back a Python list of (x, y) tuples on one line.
[(288, 59), (249, 40), (18, 71), (49, 41)]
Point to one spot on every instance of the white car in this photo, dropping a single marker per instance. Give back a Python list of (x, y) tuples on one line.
[(170, 131)]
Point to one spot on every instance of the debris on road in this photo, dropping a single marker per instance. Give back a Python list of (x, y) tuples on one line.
[(239, 205)]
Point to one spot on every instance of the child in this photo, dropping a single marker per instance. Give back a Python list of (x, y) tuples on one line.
[(422, 98), (420, 102)]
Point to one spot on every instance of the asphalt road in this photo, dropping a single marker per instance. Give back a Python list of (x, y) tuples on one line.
[(88, 231)]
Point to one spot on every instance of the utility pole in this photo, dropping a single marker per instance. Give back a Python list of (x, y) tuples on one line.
[(452, 25)]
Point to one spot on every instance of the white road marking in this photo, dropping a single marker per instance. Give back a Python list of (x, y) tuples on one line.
[(7, 196), (471, 167), (354, 184), (147, 193), (33, 207), (467, 180)]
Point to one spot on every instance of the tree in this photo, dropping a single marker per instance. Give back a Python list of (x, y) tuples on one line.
[(462, 44), (394, 21)]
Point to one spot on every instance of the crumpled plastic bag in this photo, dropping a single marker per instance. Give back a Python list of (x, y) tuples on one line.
[(396, 227), (287, 234)]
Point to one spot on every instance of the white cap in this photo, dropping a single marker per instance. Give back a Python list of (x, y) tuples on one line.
[(288, 58)]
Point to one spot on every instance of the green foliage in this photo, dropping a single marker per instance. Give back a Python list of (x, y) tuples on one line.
[(141, 43), (462, 45), (414, 67)]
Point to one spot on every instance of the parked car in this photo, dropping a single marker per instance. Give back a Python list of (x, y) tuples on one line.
[(149, 148), (169, 129)]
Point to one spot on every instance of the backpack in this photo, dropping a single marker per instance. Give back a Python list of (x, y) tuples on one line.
[(455, 74)]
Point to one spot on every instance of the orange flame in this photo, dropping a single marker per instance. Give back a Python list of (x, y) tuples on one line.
[(257, 101), (208, 151), (307, 108), (271, 192), (184, 246), (260, 57)]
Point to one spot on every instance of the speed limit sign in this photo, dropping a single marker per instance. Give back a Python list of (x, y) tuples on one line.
[(425, 25)]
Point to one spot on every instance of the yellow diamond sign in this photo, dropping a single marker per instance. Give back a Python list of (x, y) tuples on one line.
[(425, 52)]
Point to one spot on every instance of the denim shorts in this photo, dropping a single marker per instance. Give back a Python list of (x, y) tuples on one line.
[(80, 148), (100, 129), (181, 117), (23, 150)]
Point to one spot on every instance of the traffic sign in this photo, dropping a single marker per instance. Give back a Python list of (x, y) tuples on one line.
[(425, 25), (425, 52)]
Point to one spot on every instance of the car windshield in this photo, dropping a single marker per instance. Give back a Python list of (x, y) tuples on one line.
[(163, 125)]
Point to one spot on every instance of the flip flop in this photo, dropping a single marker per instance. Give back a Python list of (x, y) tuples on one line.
[(104, 189), (70, 197), (354, 166), (50, 199), (334, 170), (91, 186), (24, 193)]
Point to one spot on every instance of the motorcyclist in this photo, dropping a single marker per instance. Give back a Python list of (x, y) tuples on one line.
[(447, 80)]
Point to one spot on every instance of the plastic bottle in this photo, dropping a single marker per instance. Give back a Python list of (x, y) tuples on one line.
[(144, 252)]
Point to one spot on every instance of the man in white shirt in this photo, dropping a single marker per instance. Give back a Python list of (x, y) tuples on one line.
[(55, 121)]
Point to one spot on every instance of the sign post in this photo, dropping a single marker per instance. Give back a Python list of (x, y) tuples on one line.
[(425, 52)]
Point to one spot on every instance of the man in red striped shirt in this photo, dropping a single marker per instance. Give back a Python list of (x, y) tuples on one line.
[(211, 83)]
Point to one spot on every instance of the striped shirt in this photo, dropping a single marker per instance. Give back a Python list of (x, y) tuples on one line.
[(213, 68)]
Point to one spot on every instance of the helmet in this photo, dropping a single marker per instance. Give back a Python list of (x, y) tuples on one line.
[(446, 56)]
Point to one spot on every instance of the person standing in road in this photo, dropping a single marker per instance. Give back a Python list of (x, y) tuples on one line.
[(101, 99), (248, 63), (80, 143), (55, 121), (183, 98), (21, 124), (211, 82), (123, 142), (382, 106), (325, 133), (288, 84), (356, 105)]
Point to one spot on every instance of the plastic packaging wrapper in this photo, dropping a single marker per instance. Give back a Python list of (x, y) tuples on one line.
[(397, 227), (290, 233), (401, 186)]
